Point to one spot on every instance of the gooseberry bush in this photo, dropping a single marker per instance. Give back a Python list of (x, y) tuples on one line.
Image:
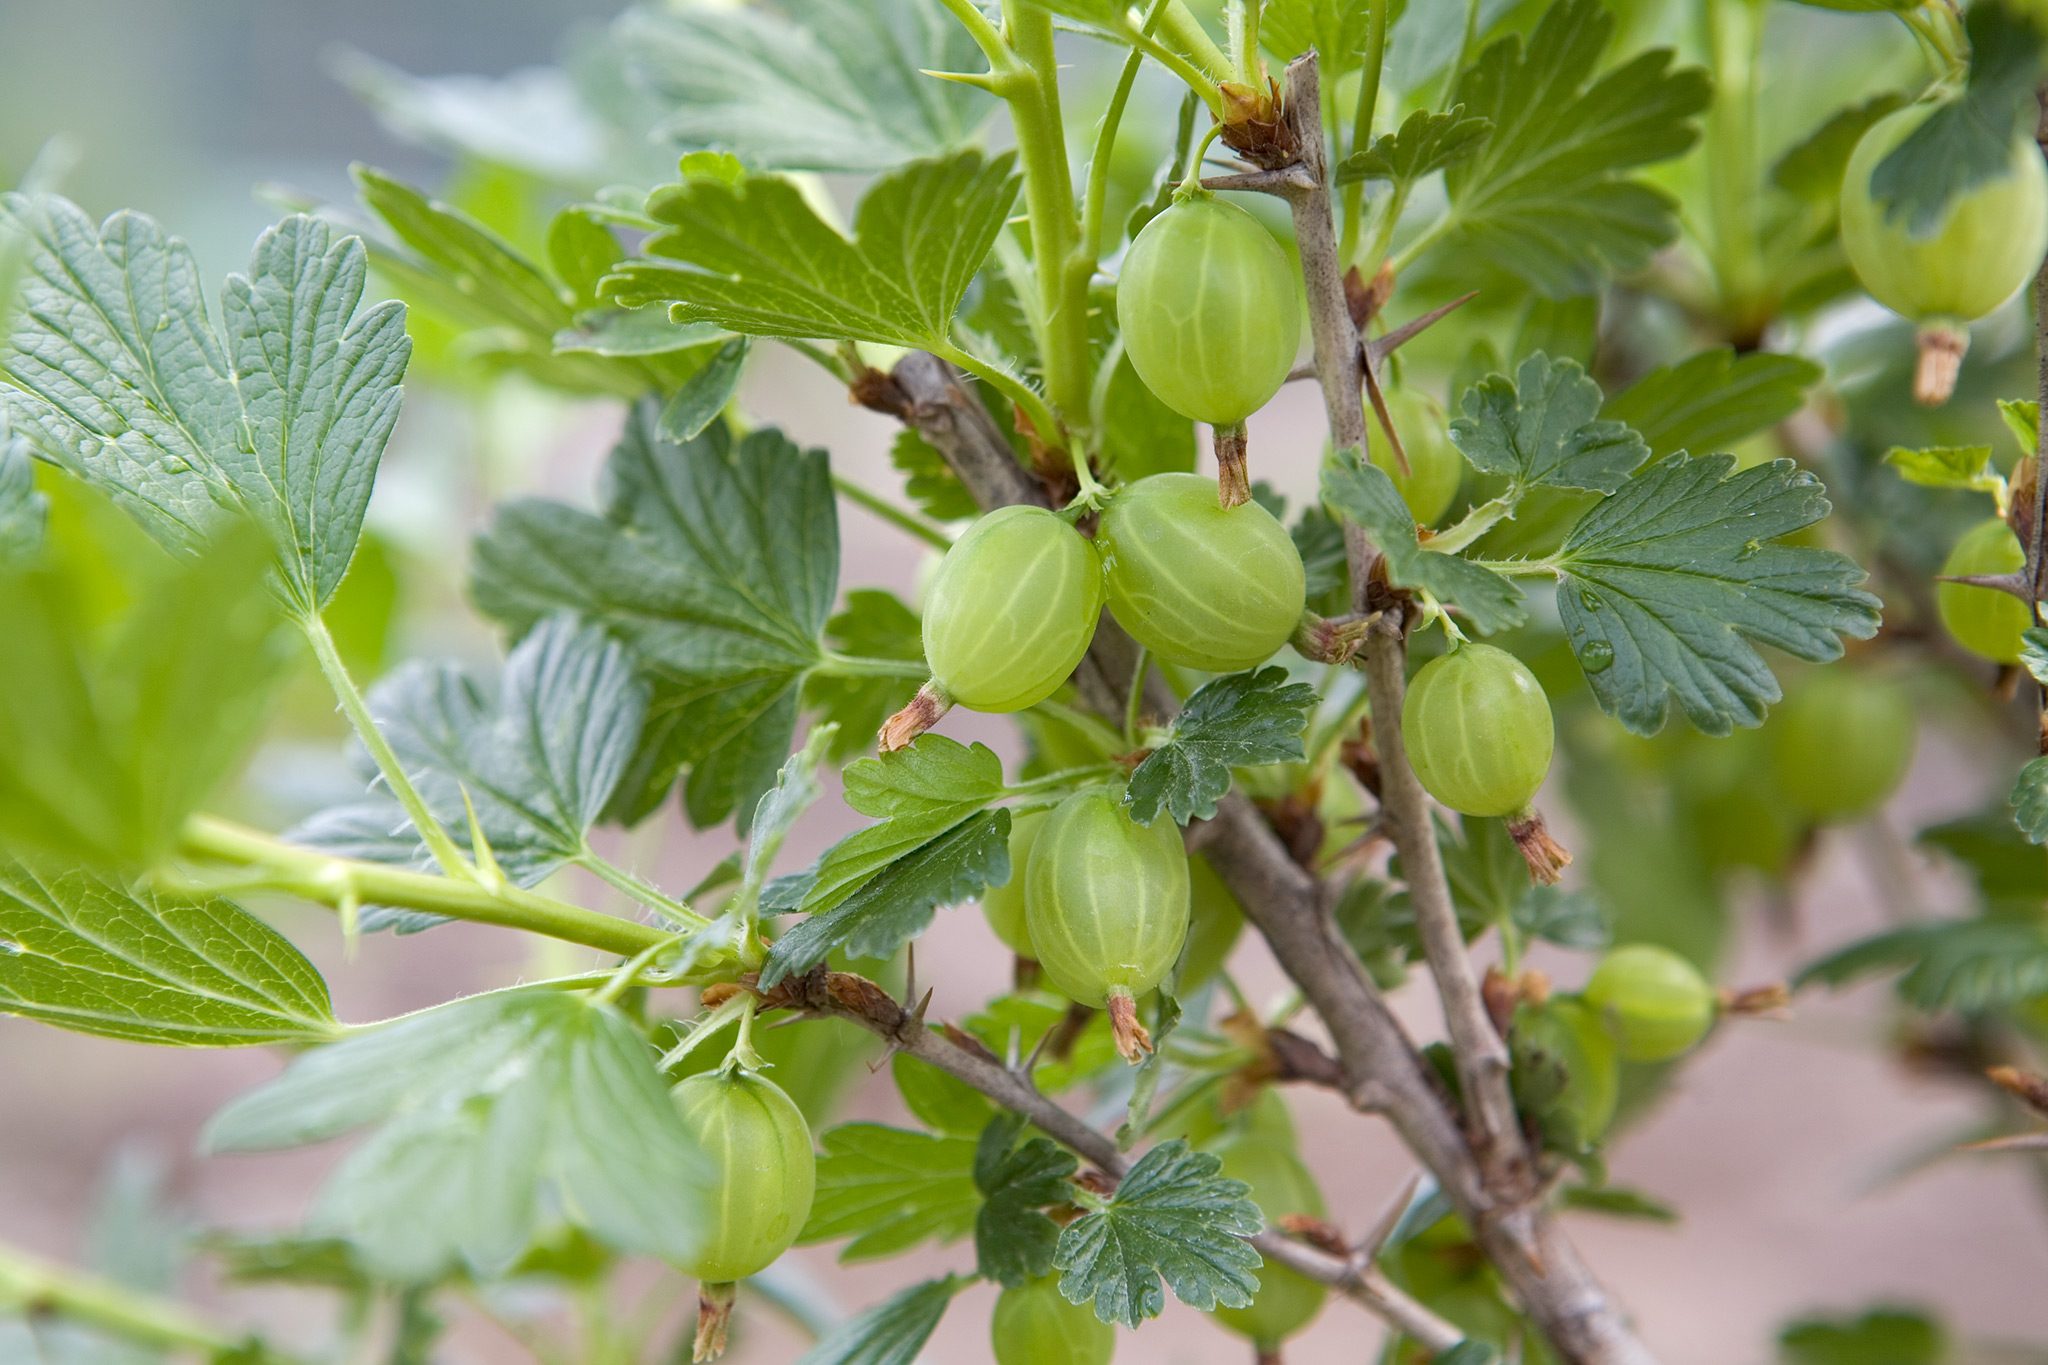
[(1537, 649)]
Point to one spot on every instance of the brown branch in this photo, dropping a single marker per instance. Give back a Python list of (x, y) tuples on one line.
[(842, 995)]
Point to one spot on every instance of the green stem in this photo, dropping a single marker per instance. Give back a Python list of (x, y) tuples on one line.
[(35, 1288), (1475, 523), (1520, 568), (1425, 239), (980, 29), (1096, 198), (1064, 778), (639, 890), (930, 532), (1245, 28), (438, 843), (859, 666), (328, 880), (1016, 390), (1086, 721), (1184, 35), (1032, 90), (1137, 698), (1733, 38), (1191, 75), (1362, 120)]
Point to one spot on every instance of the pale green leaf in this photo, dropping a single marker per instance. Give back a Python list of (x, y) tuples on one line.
[(703, 396), (889, 1189), (1666, 588), (22, 508), (806, 85), (1547, 195), (2034, 653), (715, 562), (2023, 419), (497, 1117), (1713, 400), (1946, 467), (755, 257), (281, 413), (84, 952), (892, 1332)]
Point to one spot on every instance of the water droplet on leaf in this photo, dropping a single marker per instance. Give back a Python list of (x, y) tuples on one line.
[(1597, 656)]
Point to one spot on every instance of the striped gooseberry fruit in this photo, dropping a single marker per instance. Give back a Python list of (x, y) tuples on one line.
[(1215, 920), (762, 1165), (1841, 743), (1286, 1300), (1206, 303), (1435, 466), (1003, 906), (1657, 1003), (1196, 583), (1011, 609), (1106, 905), (1987, 244), (1984, 621), (1035, 1325), (1478, 730)]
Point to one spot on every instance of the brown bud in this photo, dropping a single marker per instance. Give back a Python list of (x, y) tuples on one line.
[(924, 711), (1233, 474), (1133, 1039), (714, 1315)]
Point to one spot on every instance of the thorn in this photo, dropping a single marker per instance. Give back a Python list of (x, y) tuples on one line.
[(909, 973), (1379, 410), (1379, 348), (2030, 1089), (2016, 583), (1375, 1239), (980, 80), (917, 1014)]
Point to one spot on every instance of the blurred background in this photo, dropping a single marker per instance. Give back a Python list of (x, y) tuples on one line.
[(1784, 1145)]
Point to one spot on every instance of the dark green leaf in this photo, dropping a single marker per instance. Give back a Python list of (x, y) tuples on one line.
[(1013, 1238), (716, 563), (85, 953), (497, 1116), (893, 906), (1172, 1216), (1713, 400), (2010, 874), (889, 1189), (1363, 494), (2034, 652), (1546, 194), (124, 381), (1946, 467), (1969, 139), (822, 85), (1967, 965), (1425, 142), (703, 396), (1881, 1336), (1541, 429), (929, 481), (2030, 801), (755, 257), (1241, 720), (1664, 586), (1813, 168), (892, 1332)]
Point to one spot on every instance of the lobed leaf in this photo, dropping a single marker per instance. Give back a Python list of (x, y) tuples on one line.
[(889, 1189), (893, 1331), (1967, 467), (1363, 493), (1665, 589), (1713, 400), (1541, 429), (1013, 1238), (1425, 142), (1172, 1217), (84, 952), (1241, 720)]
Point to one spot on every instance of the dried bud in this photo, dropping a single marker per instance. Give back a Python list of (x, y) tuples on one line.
[(1547, 858), (1941, 360), (1133, 1039), (922, 714)]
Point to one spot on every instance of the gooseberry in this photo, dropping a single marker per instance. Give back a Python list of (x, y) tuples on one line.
[(1286, 1300), (1196, 583), (1841, 743), (1012, 609), (762, 1169), (1478, 730), (1984, 621), (1658, 1003), (1035, 1325)]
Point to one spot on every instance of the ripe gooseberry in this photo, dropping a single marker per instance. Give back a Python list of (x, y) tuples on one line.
[(1035, 1325), (1657, 1002), (1196, 583), (762, 1167), (1011, 609), (1003, 906), (1841, 743), (1984, 621), (1206, 303), (1435, 467), (1987, 245), (1106, 905), (1214, 921), (1478, 730), (1286, 1300)]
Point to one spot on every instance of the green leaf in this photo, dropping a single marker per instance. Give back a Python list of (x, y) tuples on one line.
[(1541, 429), (889, 1189), (124, 380), (929, 481), (497, 1117), (892, 907), (110, 738), (1971, 966), (892, 1332), (1969, 138), (1241, 720), (715, 562), (698, 403), (1425, 142), (1616, 1202), (875, 625), (2034, 653), (1469, 1352), (22, 509), (1336, 29), (918, 794), (1813, 168), (1365, 495), (1710, 401), (1174, 1217), (824, 85), (1663, 588), (1947, 467), (2010, 876), (940, 1101), (83, 952), (2023, 419), (1546, 195), (1013, 1239), (2030, 801), (755, 257), (1881, 1336)]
